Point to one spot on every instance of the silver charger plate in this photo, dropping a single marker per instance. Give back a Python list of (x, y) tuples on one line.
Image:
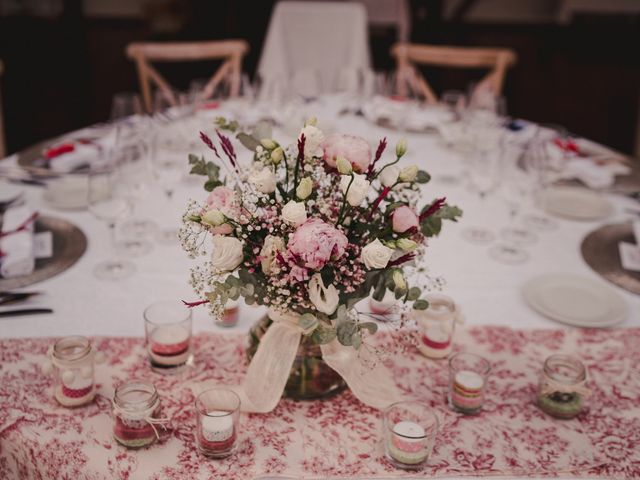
[(600, 251), (69, 244)]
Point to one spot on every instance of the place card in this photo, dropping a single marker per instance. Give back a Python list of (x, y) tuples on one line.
[(43, 245), (629, 256)]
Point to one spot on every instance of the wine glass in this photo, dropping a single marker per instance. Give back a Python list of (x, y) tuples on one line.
[(402, 87), (107, 202), (125, 104)]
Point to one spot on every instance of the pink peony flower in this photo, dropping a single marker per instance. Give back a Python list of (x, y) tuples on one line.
[(316, 242), (223, 199), (355, 149), (300, 274), (403, 218)]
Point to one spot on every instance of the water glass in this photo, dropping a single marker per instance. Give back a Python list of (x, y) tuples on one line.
[(168, 326), (218, 414)]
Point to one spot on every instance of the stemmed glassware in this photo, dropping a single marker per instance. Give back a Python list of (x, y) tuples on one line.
[(107, 202)]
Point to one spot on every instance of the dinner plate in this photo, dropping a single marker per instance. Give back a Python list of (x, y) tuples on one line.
[(575, 300), (576, 203)]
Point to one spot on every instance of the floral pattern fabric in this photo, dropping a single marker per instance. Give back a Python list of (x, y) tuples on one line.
[(337, 437)]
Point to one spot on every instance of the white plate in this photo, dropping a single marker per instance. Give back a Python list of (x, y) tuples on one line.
[(575, 300), (576, 203), (9, 191)]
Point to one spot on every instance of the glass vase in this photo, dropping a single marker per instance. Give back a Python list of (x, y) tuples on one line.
[(311, 378)]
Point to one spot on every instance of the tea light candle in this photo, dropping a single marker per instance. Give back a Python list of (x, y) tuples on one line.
[(169, 345), (218, 432), (468, 391), (407, 443)]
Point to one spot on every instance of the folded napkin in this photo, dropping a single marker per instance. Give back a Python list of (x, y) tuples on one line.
[(16, 242), (68, 156)]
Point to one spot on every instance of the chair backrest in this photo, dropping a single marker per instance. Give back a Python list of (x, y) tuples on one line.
[(497, 60), (3, 148), (324, 37), (231, 51)]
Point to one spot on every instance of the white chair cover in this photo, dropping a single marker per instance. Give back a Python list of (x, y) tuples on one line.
[(320, 37)]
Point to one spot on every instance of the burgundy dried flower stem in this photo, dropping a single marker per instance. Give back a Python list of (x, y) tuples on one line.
[(301, 142), (209, 143), (435, 206), (227, 148), (400, 260), (381, 146), (383, 194), (195, 304)]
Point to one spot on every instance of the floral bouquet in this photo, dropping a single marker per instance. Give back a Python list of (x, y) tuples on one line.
[(309, 230)]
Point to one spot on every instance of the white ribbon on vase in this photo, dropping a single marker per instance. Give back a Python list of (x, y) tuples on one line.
[(269, 370)]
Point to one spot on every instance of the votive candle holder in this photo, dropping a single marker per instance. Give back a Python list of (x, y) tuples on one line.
[(468, 374), (168, 326), (218, 414)]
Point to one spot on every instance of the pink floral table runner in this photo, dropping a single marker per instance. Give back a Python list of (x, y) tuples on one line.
[(339, 437)]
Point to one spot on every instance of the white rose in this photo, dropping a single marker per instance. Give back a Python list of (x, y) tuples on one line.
[(313, 138), (376, 255), (389, 175), (214, 218), (272, 245), (409, 174), (227, 253), (294, 213), (264, 180), (357, 191), (325, 299)]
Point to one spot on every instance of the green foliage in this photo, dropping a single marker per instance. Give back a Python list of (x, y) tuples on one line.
[(423, 177), (323, 334), (223, 124), (248, 141), (201, 167), (420, 304), (432, 225)]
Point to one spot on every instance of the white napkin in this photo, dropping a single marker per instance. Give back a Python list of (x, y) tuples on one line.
[(83, 154), (17, 247)]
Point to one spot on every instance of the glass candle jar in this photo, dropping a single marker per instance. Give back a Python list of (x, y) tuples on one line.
[(168, 333), (136, 412), (468, 375), (72, 361), (384, 307), (562, 390), (218, 412), (409, 434), (437, 325), (231, 314)]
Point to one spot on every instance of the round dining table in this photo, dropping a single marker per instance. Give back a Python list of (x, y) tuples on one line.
[(489, 293)]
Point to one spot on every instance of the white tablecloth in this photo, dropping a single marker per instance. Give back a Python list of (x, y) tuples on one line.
[(488, 292)]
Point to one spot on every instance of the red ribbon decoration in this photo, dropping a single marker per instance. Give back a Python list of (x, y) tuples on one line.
[(58, 150), (23, 226)]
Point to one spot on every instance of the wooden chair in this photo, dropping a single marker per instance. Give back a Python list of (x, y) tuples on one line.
[(231, 51), (3, 148), (496, 59)]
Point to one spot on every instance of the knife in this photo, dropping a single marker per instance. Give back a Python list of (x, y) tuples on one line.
[(25, 311)]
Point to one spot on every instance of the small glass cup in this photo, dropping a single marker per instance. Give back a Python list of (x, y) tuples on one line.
[(409, 434), (230, 316), (218, 413), (72, 359), (561, 390), (168, 335), (136, 407), (437, 325), (468, 375)]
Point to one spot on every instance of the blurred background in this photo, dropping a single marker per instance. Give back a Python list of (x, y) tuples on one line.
[(578, 60)]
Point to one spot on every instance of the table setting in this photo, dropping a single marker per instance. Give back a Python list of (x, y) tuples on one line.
[(223, 291)]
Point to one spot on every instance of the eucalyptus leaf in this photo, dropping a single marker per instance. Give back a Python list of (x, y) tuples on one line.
[(413, 294), (307, 321), (371, 327), (263, 129), (356, 340), (399, 293), (248, 141), (431, 226), (345, 333), (323, 335), (420, 304), (423, 177), (341, 314)]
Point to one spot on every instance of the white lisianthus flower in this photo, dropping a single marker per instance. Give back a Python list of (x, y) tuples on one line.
[(389, 176), (304, 188), (277, 155), (264, 180), (268, 143), (325, 299), (294, 213), (227, 253), (272, 245), (214, 218), (409, 174), (399, 280), (358, 190), (343, 166), (376, 255), (401, 147), (313, 138)]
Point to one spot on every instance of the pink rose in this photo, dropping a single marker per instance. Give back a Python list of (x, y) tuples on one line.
[(223, 199), (354, 149), (403, 218), (316, 242)]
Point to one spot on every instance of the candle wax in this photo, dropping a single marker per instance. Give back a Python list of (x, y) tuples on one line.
[(170, 334), (469, 380), (217, 428)]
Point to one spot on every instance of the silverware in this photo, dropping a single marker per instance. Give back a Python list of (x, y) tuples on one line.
[(24, 311), (12, 297)]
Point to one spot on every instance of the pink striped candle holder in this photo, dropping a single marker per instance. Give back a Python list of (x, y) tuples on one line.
[(168, 327), (468, 375), (218, 413), (409, 434), (437, 326)]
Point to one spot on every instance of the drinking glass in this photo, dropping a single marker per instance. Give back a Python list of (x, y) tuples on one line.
[(107, 202), (218, 415), (455, 101), (409, 434), (402, 87), (468, 374), (168, 327), (125, 104)]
